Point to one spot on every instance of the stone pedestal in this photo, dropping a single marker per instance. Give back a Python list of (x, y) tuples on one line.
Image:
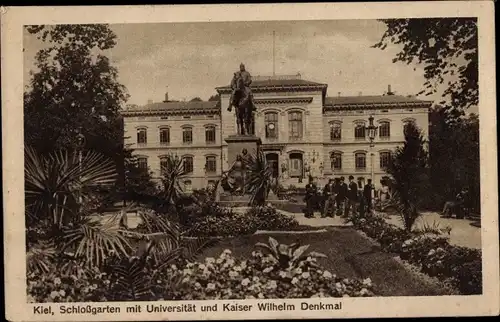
[(236, 144)]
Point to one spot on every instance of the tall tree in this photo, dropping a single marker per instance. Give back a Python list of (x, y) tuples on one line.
[(410, 175), (448, 48), (196, 99)]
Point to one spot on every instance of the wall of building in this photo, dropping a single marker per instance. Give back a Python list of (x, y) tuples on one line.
[(198, 149)]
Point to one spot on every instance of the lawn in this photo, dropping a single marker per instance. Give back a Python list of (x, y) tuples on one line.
[(350, 255)]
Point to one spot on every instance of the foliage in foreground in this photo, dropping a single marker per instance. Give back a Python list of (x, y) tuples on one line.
[(431, 252), (225, 277)]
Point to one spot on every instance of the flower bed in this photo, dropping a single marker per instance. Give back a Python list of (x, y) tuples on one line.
[(261, 277), (225, 277), (217, 221), (431, 253)]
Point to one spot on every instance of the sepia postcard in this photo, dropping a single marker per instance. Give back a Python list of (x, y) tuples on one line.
[(250, 161)]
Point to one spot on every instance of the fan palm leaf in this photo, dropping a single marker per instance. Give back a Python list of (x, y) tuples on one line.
[(258, 182), (53, 182), (93, 242), (40, 257)]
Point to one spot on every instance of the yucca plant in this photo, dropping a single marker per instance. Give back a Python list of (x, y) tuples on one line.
[(288, 255), (259, 177)]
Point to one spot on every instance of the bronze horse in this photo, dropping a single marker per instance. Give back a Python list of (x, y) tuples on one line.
[(244, 107)]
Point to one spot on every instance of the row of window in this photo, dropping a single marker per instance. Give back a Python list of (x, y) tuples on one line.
[(187, 135), (271, 130), (359, 160), (187, 162)]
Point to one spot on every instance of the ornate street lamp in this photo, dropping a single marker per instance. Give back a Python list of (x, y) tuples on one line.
[(372, 132)]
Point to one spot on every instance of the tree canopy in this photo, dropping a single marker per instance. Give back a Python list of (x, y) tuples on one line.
[(448, 48)]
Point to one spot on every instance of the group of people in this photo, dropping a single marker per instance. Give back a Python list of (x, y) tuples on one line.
[(338, 197)]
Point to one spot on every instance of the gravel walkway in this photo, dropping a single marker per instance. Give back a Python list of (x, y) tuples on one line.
[(462, 232)]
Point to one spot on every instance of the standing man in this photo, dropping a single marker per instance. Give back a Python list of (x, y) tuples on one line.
[(352, 196), (328, 197), (342, 196), (367, 196), (311, 190)]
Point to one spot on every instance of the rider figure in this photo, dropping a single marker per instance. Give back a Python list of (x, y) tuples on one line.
[(247, 81)]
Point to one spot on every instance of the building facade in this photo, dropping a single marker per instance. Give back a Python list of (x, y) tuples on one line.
[(303, 131)]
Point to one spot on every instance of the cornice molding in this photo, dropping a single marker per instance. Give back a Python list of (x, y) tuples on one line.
[(364, 106), (175, 112), (278, 88), (284, 100)]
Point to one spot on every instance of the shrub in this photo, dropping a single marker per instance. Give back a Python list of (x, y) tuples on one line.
[(429, 250)]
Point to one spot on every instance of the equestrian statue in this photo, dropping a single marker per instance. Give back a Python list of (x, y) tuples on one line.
[(242, 100)]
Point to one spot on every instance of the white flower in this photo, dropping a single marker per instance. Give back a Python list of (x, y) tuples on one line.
[(306, 275), (210, 260), (57, 281), (338, 285), (233, 274), (364, 291), (187, 271), (219, 260), (267, 269), (431, 252), (237, 268), (226, 251), (210, 286), (260, 296), (62, 293), (197, 285), (54, 294), (190, 265), (201, 266), (345, 295), (327, 274), (185, 280), (255, 279), (298, 271), (245, 282), (272, 284), (295, 280), (283, 274), (173, 267), (367, 281)]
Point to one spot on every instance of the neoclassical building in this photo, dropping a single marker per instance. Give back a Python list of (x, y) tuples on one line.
[(303, 131)]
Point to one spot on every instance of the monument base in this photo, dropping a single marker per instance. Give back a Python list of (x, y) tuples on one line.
[(237, 143)]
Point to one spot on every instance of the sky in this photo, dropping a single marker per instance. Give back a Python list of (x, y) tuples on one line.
[(191, 59)]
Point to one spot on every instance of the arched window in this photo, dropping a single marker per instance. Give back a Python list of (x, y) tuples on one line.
[(360, 131), (335, 131), (385, 129), (188, 164), (210, 134), (210, 163), (142, 164), (142, 136), (385, 159), (336, 161), (295, 125), (187, 135), (164, 135), (271, 123), (360, 160)]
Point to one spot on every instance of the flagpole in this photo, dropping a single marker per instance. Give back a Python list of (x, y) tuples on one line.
[(274, 53)]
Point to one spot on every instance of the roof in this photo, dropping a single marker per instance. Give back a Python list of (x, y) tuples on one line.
[(277, 83), (343, 102), (196, 107)]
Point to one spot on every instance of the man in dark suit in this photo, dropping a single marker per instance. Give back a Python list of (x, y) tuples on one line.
[(328, 197), (352, 196), (310, 198), (341, 196), (367, 196)]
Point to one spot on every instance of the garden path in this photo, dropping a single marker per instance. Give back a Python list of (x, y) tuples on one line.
[(462, 232)]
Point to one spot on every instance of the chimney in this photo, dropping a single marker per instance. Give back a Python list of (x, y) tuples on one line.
[(166, 97), (389, 91), (150, 101)]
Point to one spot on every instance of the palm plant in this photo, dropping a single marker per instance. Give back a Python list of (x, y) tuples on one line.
[(288, 255), (57, 187), (409, 176), (259, 177)]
